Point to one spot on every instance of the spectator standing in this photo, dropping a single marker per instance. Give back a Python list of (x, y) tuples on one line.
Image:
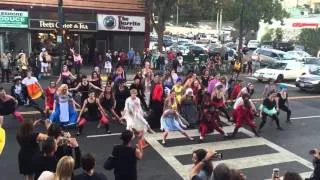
[(316, 163), (64, 170), (19, 91), (161, 62), (97, 58), (131, 55), (137, 60), (125, 164), (88, 163), (4, 64), (29, 148), (77, 60)]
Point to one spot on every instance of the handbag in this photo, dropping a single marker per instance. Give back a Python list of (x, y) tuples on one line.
[(110, 163), (270, 112)]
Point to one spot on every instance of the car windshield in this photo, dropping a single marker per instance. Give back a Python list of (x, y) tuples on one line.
[(313, 61), (278, 66), (285, 56), (316, 72)]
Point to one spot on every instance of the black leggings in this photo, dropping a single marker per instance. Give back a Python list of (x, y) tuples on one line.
[(224, 111), (264, 118), (286, 109)]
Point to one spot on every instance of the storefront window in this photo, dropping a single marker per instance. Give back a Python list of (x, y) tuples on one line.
[(14, 40)]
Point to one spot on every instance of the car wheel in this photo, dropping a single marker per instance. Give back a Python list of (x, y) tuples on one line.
[(260, 80), (279, 78)]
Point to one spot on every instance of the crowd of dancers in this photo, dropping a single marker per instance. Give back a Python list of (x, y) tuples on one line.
[(155, 100)]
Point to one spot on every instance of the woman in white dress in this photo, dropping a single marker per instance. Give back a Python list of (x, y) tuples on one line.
[(133, 115)]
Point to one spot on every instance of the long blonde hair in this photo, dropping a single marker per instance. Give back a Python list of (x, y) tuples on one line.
[(61, 88), (65, 168)]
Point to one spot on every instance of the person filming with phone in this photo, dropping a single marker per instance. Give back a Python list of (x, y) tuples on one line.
[(316, 163)]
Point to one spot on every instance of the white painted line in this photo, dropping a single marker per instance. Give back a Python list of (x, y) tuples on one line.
[(252, 161), (306, 117), (289, 85), (252, 78), (217, 146), (103, 135)]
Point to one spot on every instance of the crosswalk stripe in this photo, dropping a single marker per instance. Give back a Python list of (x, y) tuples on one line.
[(253, 161), (222, 145), (172, 153)]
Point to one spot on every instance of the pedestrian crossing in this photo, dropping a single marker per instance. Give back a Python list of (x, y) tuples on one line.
[(255, 156)]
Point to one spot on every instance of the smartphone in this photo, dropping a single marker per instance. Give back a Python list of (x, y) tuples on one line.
[(276, 173), (218, 156)]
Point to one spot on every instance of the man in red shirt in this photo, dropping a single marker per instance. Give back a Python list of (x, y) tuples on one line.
[(156, 103)]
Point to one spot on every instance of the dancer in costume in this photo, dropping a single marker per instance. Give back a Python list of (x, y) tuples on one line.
[(178, 89), (108, 102), (209, 118), (19, 91), (64, 108), (83, 88), (93, 113), (133, 115), (244, 114), (121, 94), (8, 106), (269, 109), (171, 120), (49, 96), (218, 99), (189, 107), (65, 76), (282, 101), (34, 91)]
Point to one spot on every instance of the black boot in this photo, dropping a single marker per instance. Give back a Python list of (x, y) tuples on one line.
[(255, 132), (106, 126), (235, 131), (80, 130)]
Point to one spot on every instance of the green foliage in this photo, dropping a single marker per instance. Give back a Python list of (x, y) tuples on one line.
[(268, 36), (278, 35), (310, 38), (258, 10)]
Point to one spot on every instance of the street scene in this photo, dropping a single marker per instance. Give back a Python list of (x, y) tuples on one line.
[(159, 90)]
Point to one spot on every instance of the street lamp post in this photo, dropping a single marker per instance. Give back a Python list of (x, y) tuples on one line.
[(60, 49), (177, 13)]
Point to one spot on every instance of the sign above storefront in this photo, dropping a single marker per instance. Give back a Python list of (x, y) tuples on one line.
[(41, 24), (121, 23), (14, 19)]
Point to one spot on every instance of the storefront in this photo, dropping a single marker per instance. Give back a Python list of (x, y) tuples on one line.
[(14, 34), (120, 32)]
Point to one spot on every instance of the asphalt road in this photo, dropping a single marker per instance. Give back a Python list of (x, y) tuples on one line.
[(287, 150)]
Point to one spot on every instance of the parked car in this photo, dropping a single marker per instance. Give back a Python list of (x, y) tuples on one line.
[(309, 81), (299, 55), (281, 70), (284, 46), (253, 44), (197, 50), (270, 56), (266, 45)]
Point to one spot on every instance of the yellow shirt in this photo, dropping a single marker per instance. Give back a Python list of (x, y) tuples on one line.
[(2, 139), (178, 89)]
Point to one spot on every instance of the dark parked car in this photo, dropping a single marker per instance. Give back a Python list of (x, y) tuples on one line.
[(284, 46), (197, 50)]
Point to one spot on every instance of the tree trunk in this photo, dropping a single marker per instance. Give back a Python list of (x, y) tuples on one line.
[(160, 29)]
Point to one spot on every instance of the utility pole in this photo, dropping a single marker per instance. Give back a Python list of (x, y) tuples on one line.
[(60, 41), (177, 13), (241, 24)]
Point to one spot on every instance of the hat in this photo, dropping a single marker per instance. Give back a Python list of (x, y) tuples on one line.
[(43, 49), (189, 90), (15, 78)]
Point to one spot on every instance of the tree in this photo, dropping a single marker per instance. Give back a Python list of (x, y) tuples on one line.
[(310, 38), (278, 35), (254, 11), (268, 36), (163, 10)]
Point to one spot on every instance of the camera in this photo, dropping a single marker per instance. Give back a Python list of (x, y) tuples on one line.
[(276, 173), (218, 156), (64, 139)]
